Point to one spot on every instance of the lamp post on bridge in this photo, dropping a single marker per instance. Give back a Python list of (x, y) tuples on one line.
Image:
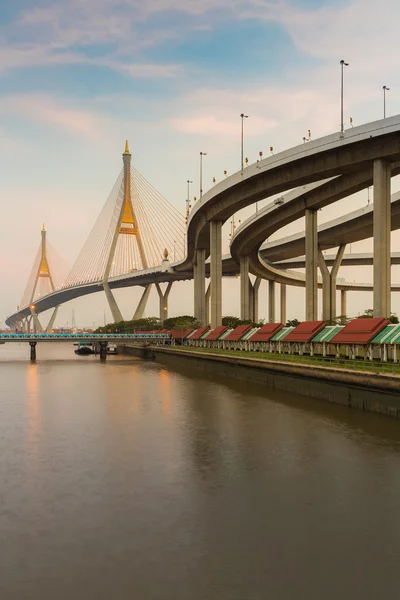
[(342, 64), (242, 116), (385, 89), (201, 172), (187, 199)]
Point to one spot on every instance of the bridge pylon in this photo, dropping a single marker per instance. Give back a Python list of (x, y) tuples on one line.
[(41, 283), (126, 224), (130, 236)]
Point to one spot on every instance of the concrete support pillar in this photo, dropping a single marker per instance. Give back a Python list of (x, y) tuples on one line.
[(163, 296), (382, 227), (103, 350), (141, 307), (251, 301), (244, 288), (207, 302), (199, 273), (283, 303), (254, 306), (112, 303), (271, 302), (33, 351), (343, 302), (329, 279), (50, 324), (311, 265), (216, 272)]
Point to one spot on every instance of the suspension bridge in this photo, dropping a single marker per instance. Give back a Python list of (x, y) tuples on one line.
[(138, 231)]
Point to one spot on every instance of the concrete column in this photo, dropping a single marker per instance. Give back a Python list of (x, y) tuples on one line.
[(382, 227), (112, 303), (256, 289), (329, 284), (216, 272), (343, 302), (141, 307), (207, 301), (283, 303), (244, 288), (103, 350), (271, 301), (199, 275), (50, 324), (33, 350), (163, 296), (311, 265), (251, 301)]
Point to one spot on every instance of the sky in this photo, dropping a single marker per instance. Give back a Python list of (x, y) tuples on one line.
[(78, 77)]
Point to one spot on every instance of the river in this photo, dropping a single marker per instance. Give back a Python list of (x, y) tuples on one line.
[(128, 480)]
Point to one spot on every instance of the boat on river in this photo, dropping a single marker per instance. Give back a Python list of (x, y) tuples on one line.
[(84, 349)]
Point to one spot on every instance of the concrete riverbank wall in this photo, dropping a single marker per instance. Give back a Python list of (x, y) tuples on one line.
[(363, 391)]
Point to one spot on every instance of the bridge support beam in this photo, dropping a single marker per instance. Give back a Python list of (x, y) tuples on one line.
[(37, 327), (382, 227), (245, 284), (207, 304), (271, 301), (163, 296), (112, 303), (343, 302), (141, 307), (50, 324), (329, 279), (216, 272), (283, 303), (33, 350), (199, 275), (311, 265)]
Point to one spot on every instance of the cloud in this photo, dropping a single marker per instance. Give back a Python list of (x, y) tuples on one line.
[(55, 112)]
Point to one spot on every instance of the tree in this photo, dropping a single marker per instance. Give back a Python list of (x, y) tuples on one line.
[(293, 323), (341, 320), (178, 322), (369, 313), (231, 322)]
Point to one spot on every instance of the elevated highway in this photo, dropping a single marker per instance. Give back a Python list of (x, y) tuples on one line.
[(346, 163)]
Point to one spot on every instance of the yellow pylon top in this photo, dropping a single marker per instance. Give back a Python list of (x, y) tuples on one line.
[(43, 228), (127, 151)]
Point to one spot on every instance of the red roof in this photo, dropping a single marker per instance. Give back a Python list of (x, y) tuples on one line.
[(360, 331), (305, 331), (179, 334), (266, 332), (238, 333), (216, 333), (163, 331), (199, 333)]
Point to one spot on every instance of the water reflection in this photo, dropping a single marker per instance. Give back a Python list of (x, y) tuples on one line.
[(136, 480)]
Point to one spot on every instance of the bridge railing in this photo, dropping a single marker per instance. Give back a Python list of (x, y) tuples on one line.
[(83, 336)]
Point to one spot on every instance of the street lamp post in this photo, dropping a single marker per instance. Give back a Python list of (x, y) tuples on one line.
[(342, 64), (201, 172), (187, 199), (242, 116), (385, 89)]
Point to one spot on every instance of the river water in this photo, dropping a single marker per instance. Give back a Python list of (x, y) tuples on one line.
[(127, 480)]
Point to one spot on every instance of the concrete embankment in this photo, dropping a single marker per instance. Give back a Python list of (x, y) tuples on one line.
[(364, 391)]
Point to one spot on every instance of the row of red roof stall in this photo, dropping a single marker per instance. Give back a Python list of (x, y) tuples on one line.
[(368, 338)]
